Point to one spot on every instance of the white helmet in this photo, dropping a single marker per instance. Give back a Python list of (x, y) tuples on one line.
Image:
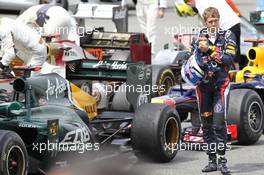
[(191, 72)]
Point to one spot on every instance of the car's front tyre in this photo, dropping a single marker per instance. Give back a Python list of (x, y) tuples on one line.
[(14, 158)]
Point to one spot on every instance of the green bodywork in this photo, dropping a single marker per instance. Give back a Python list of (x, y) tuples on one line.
[(42, 112)]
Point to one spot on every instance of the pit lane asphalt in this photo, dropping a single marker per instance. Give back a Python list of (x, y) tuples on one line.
[(242, 160)]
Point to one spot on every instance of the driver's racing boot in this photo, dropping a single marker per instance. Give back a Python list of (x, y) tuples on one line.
[(212, 165), (222, 165)]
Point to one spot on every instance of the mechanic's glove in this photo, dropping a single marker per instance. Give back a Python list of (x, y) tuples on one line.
[(2, 67), (5, 72)]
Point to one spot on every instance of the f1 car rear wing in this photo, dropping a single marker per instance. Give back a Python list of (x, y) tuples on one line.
[(97, 70), (118, 14), (137, 76), (106, 40), (136, 43)]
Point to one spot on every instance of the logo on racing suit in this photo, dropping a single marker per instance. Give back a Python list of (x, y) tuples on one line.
[(218, 108), (53, 129)]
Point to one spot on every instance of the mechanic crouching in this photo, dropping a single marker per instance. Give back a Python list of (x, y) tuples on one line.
[(20, 42), (216, 49)]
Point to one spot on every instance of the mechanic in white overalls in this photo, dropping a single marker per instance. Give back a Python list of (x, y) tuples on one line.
[(147, 13), (51, 19), (19, 40)]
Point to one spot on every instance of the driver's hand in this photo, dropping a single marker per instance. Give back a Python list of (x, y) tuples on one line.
[(203, 44), (210, 74)]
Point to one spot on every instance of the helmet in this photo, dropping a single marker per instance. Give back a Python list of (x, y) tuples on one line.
[(182, 9), (191, 72)]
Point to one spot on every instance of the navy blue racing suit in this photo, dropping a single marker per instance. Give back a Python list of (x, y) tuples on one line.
[(213, 91)]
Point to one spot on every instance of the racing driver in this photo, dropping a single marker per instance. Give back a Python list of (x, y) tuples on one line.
[(229, 20), (217, 50)]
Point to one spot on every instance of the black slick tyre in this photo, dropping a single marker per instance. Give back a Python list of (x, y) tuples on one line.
[(14, 158), (155, 132), (246, 111)]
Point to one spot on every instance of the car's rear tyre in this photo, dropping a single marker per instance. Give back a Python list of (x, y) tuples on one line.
[(14, 158), (155, 132), (246, 111), (62, 3), (164, 79)]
